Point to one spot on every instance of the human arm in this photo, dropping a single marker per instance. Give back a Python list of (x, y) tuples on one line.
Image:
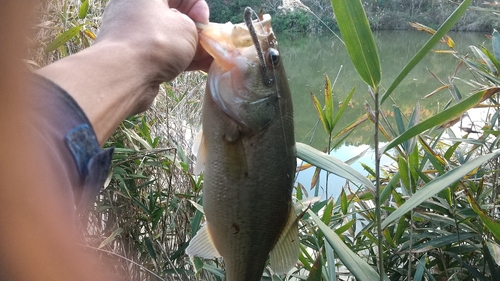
[(140, 45), (37, 234)]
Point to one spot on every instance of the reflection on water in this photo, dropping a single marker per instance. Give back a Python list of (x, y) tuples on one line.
[(308, 57)]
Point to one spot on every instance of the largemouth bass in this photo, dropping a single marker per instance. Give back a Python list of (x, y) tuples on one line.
[(248, 153)]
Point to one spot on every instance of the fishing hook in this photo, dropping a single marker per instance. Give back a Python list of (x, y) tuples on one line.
[(248, 21)]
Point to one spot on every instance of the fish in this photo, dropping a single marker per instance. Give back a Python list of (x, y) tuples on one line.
[(247, 153)]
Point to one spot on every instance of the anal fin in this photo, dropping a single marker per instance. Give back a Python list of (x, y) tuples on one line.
[(285, 253), (202, 245)]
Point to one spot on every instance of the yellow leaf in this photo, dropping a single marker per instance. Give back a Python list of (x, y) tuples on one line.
[(89, 34)]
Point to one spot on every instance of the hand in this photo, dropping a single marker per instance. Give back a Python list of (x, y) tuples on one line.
[(198, 12), (167, 39), (141, 43)]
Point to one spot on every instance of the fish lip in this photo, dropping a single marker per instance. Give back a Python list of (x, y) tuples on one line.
[(225, 42)]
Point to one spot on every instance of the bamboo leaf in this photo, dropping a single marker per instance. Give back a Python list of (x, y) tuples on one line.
[(399, 119), (489, 222), (315, 272), (403, 172), (438, 184), (84, 9), (419, 273), (330, 258), (331, 164), (63, 38), (443, 241), (442, 117), (345, 227), (445, 27), (495, 42), (321, 113), (494, 249), (327, 214), (111, 237), (358, 38), (492, 59), (362, 270), (343, 202), (387, 190), (352, 126), (328, 104), (343, 107), (483, 58)]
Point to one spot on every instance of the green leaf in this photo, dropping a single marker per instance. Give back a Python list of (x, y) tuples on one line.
[(330, 258), (358, 38), (321, 114), (328, 104), (327, 214), (344, 105), (84, 9), (63, 38), (214, 270), (483, 58), (438, 184), (149, 247), (490, 223), (444, 241), (492, 59), (441, 117), (399, 119), (345, 227), (356, 265), (419, 273), (413, 164), (495, 42), (315, 272), (198, 264), (494, 249), (331, 164), (403, 172), (343, 202), (387, 190), (445, 27)]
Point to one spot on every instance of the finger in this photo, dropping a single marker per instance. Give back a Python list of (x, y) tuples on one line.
[(197, 10), (203, 64), (175, 3)]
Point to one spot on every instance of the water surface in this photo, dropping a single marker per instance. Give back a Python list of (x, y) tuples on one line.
[(308, 57)]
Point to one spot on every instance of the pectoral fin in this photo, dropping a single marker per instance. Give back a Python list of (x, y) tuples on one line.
[(202, 245), (200, 151), (285, 253)]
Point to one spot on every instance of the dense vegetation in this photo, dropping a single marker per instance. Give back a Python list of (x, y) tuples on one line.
[(382, 14), (432, 215)]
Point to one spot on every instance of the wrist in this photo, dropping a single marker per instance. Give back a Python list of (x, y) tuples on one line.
[(110, 81)]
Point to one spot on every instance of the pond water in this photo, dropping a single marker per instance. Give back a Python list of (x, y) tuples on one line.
[(308, 57)]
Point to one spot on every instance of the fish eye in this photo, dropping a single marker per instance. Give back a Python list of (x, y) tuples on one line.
[(273, 56)]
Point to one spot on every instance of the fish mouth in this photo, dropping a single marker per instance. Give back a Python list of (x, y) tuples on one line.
[(238, 76), (228, 42)]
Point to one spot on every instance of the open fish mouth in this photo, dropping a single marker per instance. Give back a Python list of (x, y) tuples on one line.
[(226, 41), (242, 68)]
